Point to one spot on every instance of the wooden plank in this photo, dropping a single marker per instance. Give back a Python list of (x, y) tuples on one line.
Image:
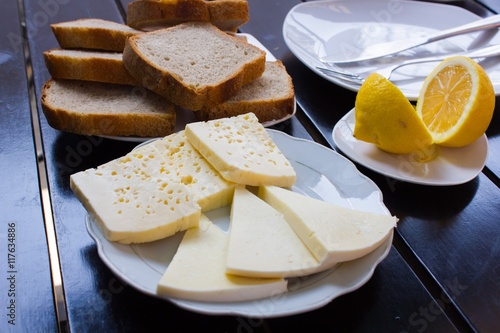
[(98, 301), (26, 288)]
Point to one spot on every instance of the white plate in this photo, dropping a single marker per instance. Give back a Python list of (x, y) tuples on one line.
[(316, 29), (452, 166), (321, 173), (184, 117)]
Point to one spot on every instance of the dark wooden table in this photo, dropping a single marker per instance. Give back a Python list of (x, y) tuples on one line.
[(441, 275)]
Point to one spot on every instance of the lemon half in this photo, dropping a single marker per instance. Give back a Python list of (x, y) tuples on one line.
[(386, 118), (456, 102)]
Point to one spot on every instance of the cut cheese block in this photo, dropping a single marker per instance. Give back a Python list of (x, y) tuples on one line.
[(152, 192), (332, 233), (133, 205), (262, 243), (186, 165), (242, 151), (197, 271)]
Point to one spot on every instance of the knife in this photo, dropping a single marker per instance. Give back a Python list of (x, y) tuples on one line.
[(388, 48)]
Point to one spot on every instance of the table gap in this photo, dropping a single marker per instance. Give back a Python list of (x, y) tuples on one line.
[(437, 292), (491, 176), (50, 232)]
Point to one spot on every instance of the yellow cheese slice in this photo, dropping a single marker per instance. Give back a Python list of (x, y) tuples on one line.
[(152, 192), (332, 233), (197, 271), (130, 203), (262, 243), (241, 150), (186, 165)]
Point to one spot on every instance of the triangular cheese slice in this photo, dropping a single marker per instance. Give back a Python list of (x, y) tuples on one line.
[(262, 243), (241, 150), (198, 271), (332, 233)]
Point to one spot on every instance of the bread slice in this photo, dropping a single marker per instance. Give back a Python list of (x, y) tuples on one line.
[(148, 15), (92, 34), (193, 64), (94, 108), (270, 97), (228, 15), (87, 65)]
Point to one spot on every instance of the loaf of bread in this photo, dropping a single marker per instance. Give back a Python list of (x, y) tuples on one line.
[(92, 33), (87, 65), (193, 64), (147, 15), (270, 97), (94, 108)]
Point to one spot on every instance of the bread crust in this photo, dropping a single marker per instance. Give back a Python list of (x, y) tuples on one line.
[(169, 84), (87, 66), (228, 15), (153, 14), (268, 109), (148, 15), (155, 116), (94, 34)]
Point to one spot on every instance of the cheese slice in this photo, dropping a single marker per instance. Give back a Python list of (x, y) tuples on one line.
[(186, 165), (130, 203), (241, 150), (197, 271), (152, 192), (332, 233), (262, 243)]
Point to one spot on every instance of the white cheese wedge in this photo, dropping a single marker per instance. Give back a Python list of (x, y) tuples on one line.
[(186, 165), (197, 271), (130, 204), (241, 150), (332, 233), (262, 243)]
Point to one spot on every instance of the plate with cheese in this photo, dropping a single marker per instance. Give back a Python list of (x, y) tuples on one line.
[(246, 250)]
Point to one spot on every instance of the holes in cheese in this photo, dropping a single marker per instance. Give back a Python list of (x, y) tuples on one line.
[(152, 192), (189, 167), (197, 271), (131, 204), (241, 150)]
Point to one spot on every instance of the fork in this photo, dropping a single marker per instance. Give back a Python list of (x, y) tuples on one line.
[(387, 71)]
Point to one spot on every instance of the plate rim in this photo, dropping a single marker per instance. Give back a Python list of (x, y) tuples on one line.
[(302, 55), (374, 258), (482, 141)]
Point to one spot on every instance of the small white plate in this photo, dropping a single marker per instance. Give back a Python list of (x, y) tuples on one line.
[(452, 166), (315, 29), (321, 173), (185, 116)]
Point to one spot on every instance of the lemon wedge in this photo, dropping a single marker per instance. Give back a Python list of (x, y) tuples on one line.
[(456, 102), (386, 118)]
